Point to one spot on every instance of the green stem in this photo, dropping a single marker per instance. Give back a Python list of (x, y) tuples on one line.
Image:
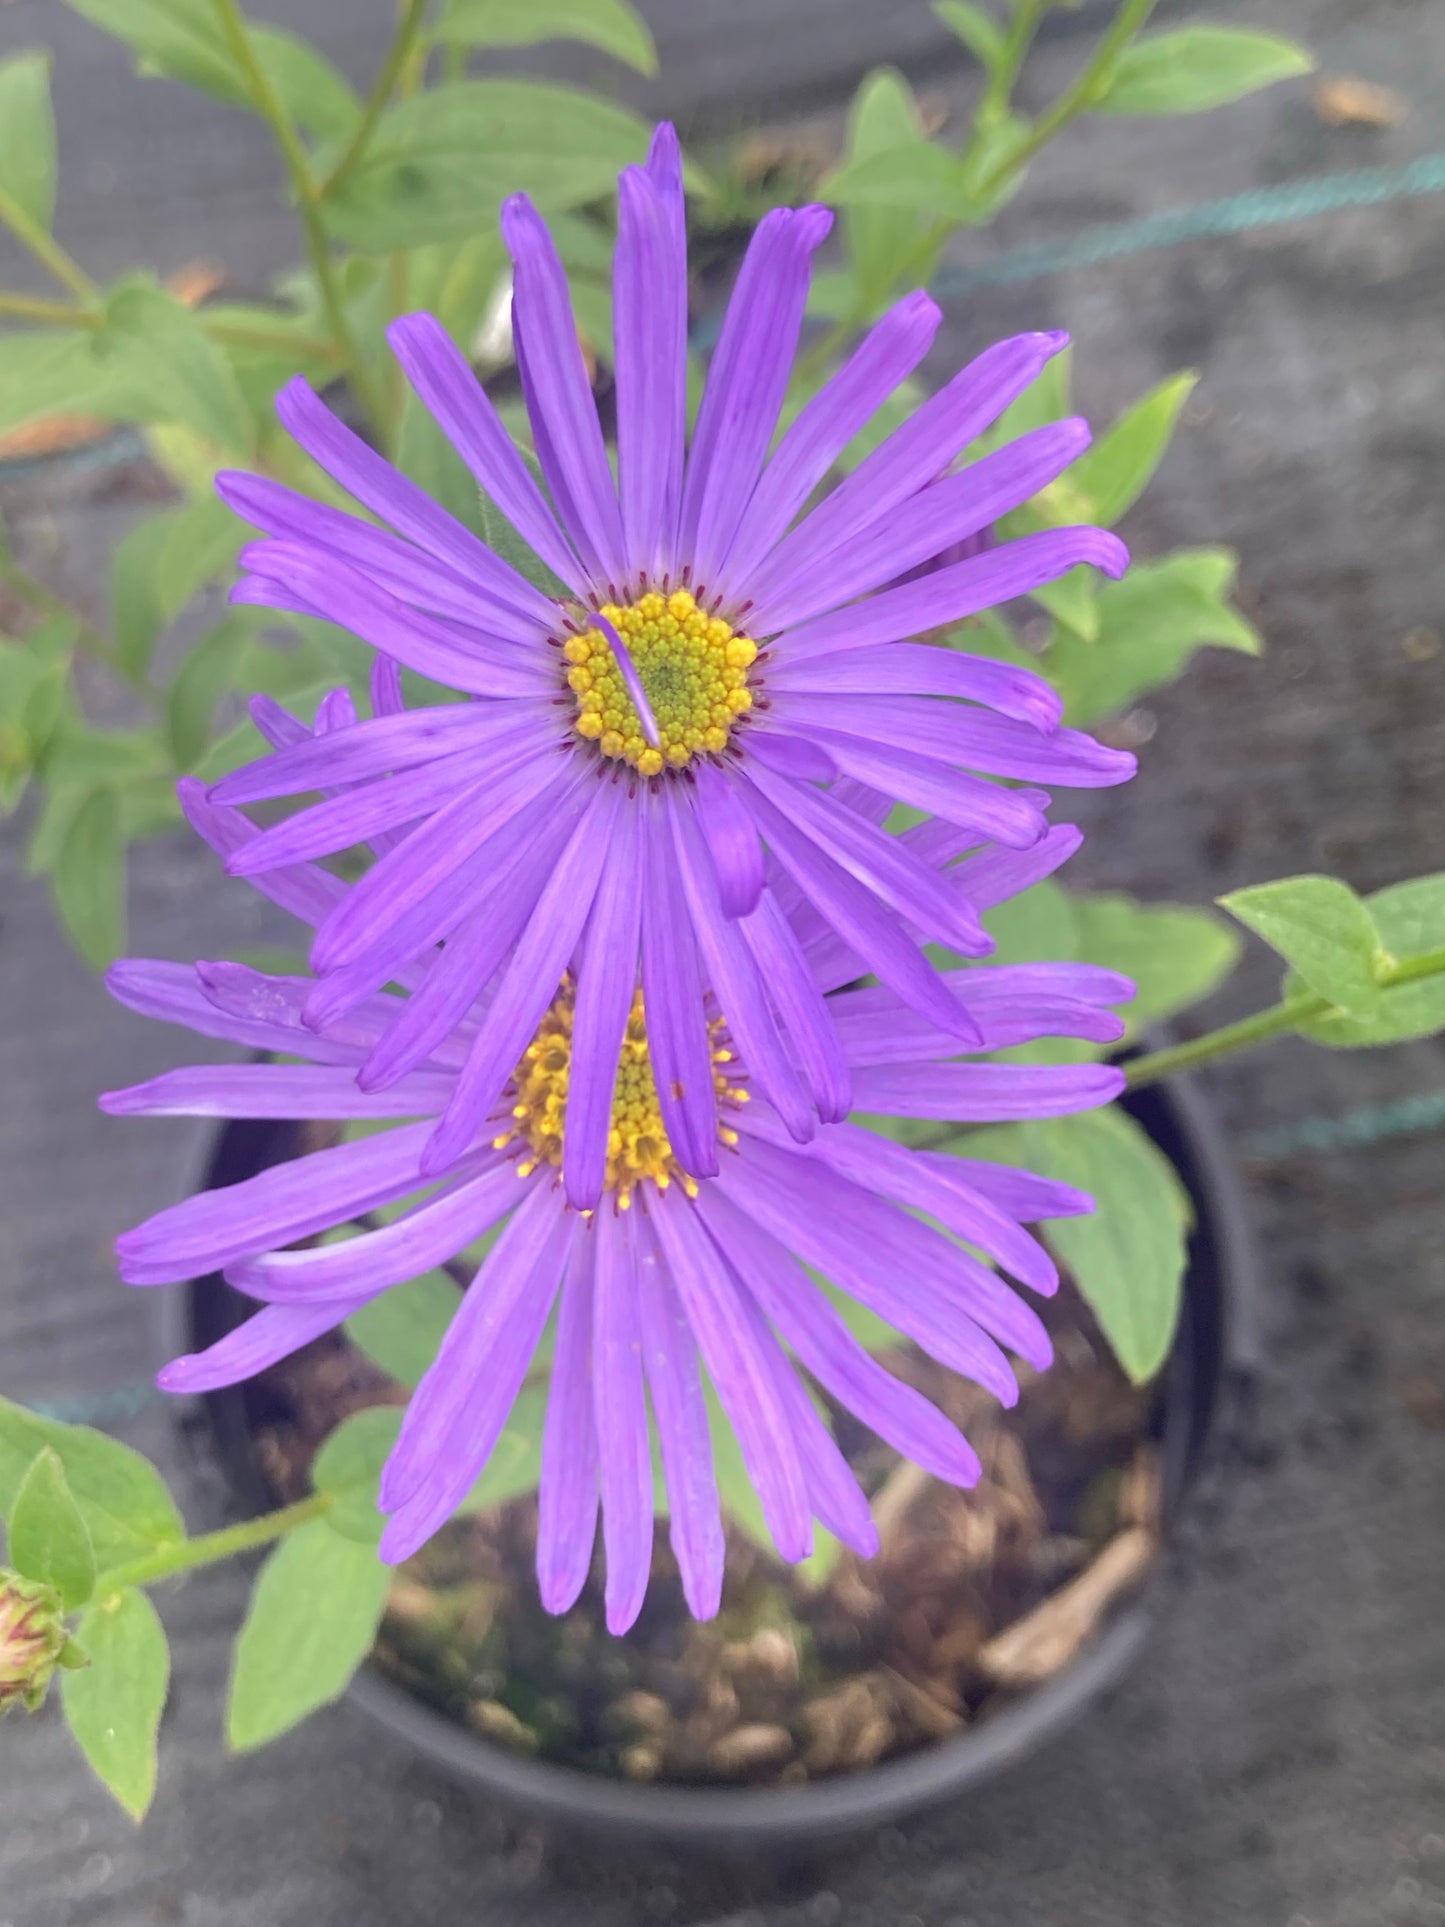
[(397, 56), (1287, 1015), (1075, 99), (52, 314), (32, 590), (241, 334), (210, 1547), (994, 101), (308, 200), (46, 250)]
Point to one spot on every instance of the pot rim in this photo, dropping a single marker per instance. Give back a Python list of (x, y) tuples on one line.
[(741, 1817)]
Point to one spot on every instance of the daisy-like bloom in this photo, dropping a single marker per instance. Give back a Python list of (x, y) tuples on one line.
[(671, 1280), (652, 752)]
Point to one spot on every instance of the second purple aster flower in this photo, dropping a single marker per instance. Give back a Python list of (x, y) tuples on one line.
[(657, 770)]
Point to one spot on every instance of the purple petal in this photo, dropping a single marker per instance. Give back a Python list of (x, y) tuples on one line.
[(371, 749), (996, 874), (280, 728), (273, 1334), (1021, 1195), (274, 1091), (386, 693), (673, 1001), (606, 982), (649, 307), (622, 655), (791, 756), (1007, 816), (985, 1093), (921, 669), (567, 1492), (173, 993), (886, 356), (306, 891), (559, 396), (732, 840), (620, 1404), (783, 967)]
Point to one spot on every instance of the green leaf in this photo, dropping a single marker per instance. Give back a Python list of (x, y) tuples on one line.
[(1148, 625), (27, 136), (49, 1540), (1191, 69), (1073, 600), (1114, 472), (1128, 1256), (1047, 398), (503, 540), (442, 162), (313, 1615), (204, 677), (1175, 956), (608, 24), (1039, 924), (161, 350), (402, 1329), (919, 176), (161, 563), (55, 373), (1410, 919), (880, 242), (113, 1706), (974, 28), (1323, 930), (348, 1466), (516, 1462), (123, 1499), (89, 880), (425, 454)]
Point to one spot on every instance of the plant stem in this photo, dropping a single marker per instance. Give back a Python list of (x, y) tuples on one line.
[(1084, 91), (53, 314), (308, 200), (65, 314), (994, 101), (1288, 1014), (186, 1554), (46, 250), (397, 56)]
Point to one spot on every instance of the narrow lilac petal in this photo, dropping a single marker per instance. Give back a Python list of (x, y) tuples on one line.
[(814, 1329), (877, 1030), (674, 1378), (985, 1093), (275, 1091), (863, 925), (430, 1234), (280, 1002), (472, 954), (740, 1373), (649, 325), (559, 396), (308, 892), (606, 982), (972, 802), (461, 658), (913, 455), (860, 1242), (397, 500), (878, 861), (289, 1201), (746, 383), (886, 356), (996, 874), (838, 1501), (921, 669), (173, 993), (938, 516), (280, 728), (377, 748), (335, 711), (622, 655), (792, 756), (620, 1404), (405, 877), (732, 840), (783, 967), (1021, 1195), (672, 997), (262, 1341), (568, 1490), (386, 693), (961, 733), (529, 982), (963, 589), (438, 371), (734, 980), (484, 1356)]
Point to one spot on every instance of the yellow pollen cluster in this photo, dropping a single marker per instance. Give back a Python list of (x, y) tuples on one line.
[(693, 666), (637, 1144)]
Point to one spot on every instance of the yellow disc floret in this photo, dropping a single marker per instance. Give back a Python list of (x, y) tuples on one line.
[(637, 1143), (693, 666)]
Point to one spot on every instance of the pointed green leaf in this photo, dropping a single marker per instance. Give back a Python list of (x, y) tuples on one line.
[(402, 1329), (1114, 472), (203, 679), (974, 28), (1073, 600), (1410, 919), (349, 1466), (608, 24), (48, 1537), (123, 1499), (1191, 69), (160, 349), (1175, 956), (27, 136), (880, 242), (313, 1616), (89, 879), (919, 176), (1323, 930), (113, 1705)]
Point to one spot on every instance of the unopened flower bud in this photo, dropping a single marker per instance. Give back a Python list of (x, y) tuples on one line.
[(33, 1641)]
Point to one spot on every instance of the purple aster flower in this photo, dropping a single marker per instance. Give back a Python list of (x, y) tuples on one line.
[(652, 756), (672, 1280)]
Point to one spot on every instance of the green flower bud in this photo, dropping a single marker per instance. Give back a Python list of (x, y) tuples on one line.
[(33, 1641)]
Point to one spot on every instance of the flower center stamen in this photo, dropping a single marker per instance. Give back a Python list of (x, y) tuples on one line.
[(692, 666), (638, 1149)]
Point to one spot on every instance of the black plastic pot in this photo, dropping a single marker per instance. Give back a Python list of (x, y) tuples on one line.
[(1214, 1356)]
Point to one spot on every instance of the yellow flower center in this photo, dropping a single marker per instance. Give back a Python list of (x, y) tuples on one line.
[(637, 1142), (693, 667)]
